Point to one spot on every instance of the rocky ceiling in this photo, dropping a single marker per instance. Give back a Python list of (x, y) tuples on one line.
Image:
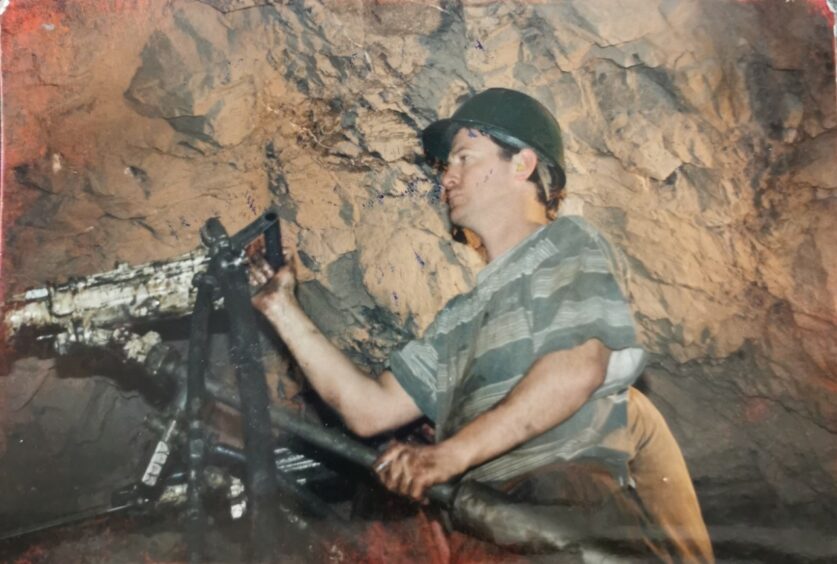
[(701, 138)]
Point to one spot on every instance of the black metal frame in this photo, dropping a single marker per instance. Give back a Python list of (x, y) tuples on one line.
[(227, 276)]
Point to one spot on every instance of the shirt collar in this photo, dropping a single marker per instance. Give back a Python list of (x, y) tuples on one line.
[(503, 259)]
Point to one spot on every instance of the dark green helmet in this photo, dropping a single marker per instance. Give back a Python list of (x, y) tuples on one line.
[(510, 116)]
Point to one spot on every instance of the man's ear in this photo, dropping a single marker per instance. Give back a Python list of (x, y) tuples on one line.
[(524, 163)]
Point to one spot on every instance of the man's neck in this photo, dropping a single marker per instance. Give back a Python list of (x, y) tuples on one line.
[(500, 237)]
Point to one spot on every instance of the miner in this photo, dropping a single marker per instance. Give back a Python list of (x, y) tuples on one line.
[(527, 377)]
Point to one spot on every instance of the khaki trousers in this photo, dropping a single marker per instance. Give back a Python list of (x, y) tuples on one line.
[(663, 484)]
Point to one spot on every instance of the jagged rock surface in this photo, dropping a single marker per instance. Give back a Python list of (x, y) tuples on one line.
[(700, 137)]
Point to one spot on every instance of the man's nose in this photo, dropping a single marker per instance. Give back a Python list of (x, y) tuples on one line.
[(450, 178)]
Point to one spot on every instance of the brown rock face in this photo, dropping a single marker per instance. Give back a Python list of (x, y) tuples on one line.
[(700, 137)]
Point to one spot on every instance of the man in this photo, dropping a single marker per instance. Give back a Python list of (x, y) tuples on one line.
[(527, 376)]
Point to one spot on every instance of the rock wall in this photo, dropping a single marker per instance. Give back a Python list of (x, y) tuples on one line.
[(700, 137)]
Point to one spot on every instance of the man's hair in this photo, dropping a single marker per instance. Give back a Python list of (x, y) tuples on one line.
[(550, 191)]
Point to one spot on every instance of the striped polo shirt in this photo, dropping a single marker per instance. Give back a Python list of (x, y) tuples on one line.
[(553, 291)]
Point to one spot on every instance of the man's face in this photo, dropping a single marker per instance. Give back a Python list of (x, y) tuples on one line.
[(476, 180)]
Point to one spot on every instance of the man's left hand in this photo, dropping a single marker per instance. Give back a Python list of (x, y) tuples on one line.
[(410, 469)]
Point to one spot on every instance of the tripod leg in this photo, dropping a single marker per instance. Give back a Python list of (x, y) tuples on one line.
[(245, 354), (195, 397)]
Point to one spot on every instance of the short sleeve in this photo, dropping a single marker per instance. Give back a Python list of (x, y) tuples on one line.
[(416, 367), (574, 297)]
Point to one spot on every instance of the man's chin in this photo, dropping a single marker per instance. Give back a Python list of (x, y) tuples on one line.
[(455, 216)]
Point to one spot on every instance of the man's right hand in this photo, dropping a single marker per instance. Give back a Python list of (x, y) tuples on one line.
[(275, 288)]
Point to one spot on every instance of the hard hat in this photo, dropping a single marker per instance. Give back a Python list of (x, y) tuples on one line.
[(510, 116)]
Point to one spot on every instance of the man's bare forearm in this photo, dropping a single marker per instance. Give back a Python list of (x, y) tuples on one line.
[(554, 388), (367, 405)]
